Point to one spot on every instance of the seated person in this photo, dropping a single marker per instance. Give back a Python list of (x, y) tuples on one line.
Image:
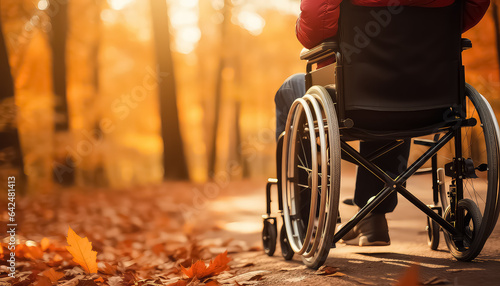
[(317, 22)]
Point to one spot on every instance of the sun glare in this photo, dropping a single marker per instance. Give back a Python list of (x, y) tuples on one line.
[(119, 4), (43, 4), (251, 21)]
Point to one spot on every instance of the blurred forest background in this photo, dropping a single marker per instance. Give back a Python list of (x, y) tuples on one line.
[(119, 93)]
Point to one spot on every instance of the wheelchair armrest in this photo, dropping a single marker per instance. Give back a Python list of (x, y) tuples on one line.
[(320, 52)]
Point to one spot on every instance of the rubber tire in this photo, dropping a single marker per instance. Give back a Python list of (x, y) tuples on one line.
[(474, 215), (432, 234), (269, 235), (286, 249)]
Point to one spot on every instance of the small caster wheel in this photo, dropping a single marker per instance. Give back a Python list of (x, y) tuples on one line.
[(432, 234), (470, 246), (286, 249), (269, 235)]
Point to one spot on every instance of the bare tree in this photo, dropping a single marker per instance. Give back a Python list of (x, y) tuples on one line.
[(174, 161), (212, 143), (58, 12), (10, 147)]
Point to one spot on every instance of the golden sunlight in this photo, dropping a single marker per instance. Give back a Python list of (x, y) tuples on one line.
[(119, 4)]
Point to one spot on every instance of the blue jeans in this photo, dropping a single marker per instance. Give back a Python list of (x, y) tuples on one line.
[(367, 185)]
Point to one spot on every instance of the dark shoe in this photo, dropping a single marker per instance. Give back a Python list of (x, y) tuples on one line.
[(372, 231)]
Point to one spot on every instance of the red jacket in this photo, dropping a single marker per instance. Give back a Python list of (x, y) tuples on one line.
[(319, 18)]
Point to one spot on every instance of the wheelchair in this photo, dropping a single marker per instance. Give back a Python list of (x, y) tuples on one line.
[(394, 74)]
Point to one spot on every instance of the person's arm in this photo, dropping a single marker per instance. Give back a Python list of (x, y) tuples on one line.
[(317, 21), (474, 12)]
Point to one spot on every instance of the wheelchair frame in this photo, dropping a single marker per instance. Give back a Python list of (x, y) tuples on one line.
[(452, 129)]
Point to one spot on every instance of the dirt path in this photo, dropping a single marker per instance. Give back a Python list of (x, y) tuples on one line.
[(237, 212)]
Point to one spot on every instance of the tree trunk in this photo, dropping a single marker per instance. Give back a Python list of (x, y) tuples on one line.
[(496, 20), (58, 36), (174, 161), (212, 144), (10, 146), (63, 166)]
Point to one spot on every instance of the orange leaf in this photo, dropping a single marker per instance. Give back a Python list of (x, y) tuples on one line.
[(410, 277), (199, 270), (53, 275), (33, 252), (179, 283), (219, 264), (107, 268), (43, 281), (212, 283), (45, 243), (82, 252), (99, 280)]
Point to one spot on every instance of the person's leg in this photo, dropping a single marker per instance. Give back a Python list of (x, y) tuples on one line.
[(373, 229), (294, 87), (393, 163)]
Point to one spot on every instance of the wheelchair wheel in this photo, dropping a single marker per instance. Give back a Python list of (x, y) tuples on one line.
[(311, 175), (269, 234), (465, 250), (286, 249), (479, 199), (432, 234)]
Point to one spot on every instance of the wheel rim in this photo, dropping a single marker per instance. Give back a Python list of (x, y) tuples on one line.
[(306, 128), (479, 143)]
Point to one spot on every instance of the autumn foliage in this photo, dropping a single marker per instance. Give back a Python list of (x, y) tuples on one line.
[(81, 249), (199, 270)]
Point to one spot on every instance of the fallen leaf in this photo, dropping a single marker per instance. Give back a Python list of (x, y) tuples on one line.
[(74, 281), (410, 277), (45, 243), (106, 268), (437, 281), (212, 283), (249, 276), (33, 252), (115, 281), (43, 281), (82, 252), (219, 264), (99, 280), (199, 270), (326, 270), (86, 283), (337, 274), (179, 283), (53, 275)]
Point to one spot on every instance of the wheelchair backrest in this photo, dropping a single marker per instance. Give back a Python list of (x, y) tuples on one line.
[(400, 58)]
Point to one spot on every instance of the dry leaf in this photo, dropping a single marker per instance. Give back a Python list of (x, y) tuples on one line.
[(45, 243), (249, 276), (199, 270), (82, 252), (99, 280), (33, 252), (437, 281), (212, 283), (326, 270), (53, 275), (115, 281), (106, 268), (179, 283), (410, 277), (43, 281)]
